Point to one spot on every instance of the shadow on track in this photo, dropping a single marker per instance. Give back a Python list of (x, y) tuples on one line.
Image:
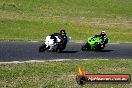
[(69, 51), (106, 50)]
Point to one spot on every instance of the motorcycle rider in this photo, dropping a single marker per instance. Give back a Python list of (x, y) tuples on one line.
[(103, 36), (62, 35)]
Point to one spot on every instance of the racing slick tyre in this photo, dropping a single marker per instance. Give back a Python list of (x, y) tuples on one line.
[(83, 48), (42, 48), (99, 47), (56, 48), (59, 48), (86, 47)]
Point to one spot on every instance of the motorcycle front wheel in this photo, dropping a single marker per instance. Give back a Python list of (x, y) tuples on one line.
[(86, 47), (42, 48)]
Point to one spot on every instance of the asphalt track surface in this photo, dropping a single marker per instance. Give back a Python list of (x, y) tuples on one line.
[(24, 51)]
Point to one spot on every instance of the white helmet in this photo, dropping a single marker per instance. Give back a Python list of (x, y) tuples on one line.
[(103, 33)]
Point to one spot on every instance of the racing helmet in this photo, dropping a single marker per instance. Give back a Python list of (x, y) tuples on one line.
[(103, 33), (62, 32)]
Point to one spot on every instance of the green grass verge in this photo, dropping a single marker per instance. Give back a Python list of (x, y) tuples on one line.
[(60, 74), (35, 19)]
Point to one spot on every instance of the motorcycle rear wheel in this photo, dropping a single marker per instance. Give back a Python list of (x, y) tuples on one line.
[(58, 48)]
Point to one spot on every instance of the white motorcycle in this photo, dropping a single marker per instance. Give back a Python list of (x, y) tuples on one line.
[(53, 44)]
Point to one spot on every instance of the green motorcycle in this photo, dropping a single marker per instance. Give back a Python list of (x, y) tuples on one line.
[(94, 44)]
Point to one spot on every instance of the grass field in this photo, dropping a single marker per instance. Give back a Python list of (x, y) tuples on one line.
[(34, 19), (60, 74)]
